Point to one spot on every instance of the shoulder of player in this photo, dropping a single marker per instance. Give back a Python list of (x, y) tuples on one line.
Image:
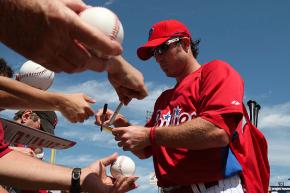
[(217, 67), (165, 93), (163, 96), (214, 64)]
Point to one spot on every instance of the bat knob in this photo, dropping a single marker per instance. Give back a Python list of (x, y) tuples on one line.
[(250, 102), (258, 107)]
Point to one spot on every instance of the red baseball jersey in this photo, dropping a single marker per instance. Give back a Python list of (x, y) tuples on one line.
[(211, 92), (3, 146)]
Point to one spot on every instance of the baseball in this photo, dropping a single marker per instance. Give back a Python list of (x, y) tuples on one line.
[(123, 166), (35, 75), (105, 20)]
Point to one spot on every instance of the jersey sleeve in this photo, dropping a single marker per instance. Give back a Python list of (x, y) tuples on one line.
[(221, 95)]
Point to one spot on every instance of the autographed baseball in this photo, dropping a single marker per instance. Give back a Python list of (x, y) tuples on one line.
[(35, 75), (123, 166), (105, 20)]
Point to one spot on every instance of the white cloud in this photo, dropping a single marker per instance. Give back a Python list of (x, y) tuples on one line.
[(279, 151), (109, 2), (71, 160), (91, 135), (100, 90), (277, 116)]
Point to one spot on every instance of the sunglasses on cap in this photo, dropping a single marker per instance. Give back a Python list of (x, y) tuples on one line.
[(159, 50)]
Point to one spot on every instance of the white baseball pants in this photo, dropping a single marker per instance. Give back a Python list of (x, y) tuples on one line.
[(228, 185)]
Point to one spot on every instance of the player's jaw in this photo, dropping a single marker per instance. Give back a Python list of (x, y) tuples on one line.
[(170, 64)]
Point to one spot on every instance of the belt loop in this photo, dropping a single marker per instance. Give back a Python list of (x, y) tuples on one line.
[(201, 186), (194, 188)]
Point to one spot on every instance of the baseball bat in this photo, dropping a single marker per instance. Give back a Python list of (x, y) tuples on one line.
[(256, 113), (251, 104)]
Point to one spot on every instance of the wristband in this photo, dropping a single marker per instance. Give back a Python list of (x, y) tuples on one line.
[(75, 180), (152, 135)]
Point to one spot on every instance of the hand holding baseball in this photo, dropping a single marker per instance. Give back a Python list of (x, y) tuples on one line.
[(109, 24), (104, 20), (123, 166), (47, 32), (95, 179), (127, 81)]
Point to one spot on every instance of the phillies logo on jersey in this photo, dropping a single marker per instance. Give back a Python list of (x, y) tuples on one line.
[(176, 117)]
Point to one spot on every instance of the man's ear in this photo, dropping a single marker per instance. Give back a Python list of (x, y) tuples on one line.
[(185, 42), (25, 116)]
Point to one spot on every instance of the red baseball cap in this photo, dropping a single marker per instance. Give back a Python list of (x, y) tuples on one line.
[(160, 33)]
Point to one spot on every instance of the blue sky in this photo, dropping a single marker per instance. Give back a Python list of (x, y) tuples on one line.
[(253, 36)]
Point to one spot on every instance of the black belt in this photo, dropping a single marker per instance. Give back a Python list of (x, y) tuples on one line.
[(187, 188)]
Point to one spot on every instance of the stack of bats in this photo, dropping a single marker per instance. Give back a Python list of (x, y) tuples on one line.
[(254, 109)]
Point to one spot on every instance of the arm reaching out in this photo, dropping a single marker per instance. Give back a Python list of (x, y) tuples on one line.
[(17, 95), (127, 80), (26, 172)]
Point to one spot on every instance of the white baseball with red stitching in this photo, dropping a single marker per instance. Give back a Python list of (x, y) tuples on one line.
[(123, 166), (35, 75), (105, 20)]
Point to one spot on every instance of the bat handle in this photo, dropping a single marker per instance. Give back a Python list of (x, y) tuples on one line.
[(256, 113), (251, 104)]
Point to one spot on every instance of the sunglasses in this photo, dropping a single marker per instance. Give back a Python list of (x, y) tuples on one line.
[(159, 50)]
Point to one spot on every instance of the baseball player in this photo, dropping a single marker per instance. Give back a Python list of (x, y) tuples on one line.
[(192, 124)]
